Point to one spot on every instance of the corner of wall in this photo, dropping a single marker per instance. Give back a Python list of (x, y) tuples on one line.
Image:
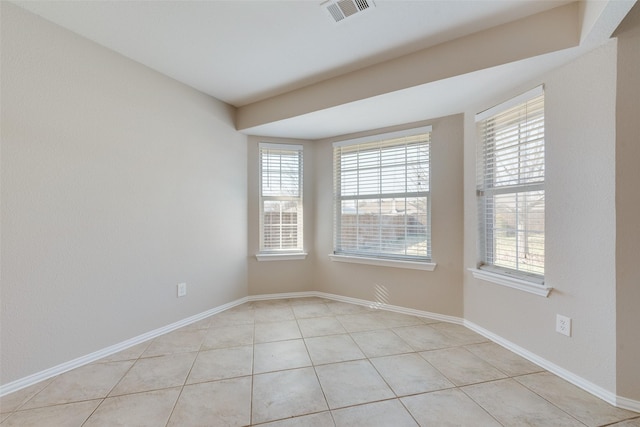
[(627, 206)]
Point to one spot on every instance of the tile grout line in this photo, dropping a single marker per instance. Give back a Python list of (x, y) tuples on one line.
[(49, 382), (186, 378), (107, 395), (396, 397), (313, 366), (479, 405), (547, 400), (417, 352), (408, 411), (253, 363), (17, 409), (613, 424)]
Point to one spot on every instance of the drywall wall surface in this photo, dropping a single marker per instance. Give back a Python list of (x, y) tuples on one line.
[(280, 276), (628, 206), (118, 183), (438, 291), (579, 220)]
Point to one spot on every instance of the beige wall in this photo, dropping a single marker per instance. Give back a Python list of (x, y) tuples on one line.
[(628, 206), (266, 277), (580, 106), (439, 291), (117, 183)]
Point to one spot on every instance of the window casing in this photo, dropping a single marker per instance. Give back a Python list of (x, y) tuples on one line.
[(510, 188), (382, 197), (281, 217)]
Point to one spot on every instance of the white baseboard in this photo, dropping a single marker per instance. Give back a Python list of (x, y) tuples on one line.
[(107, 351), (389, 307), (566, 375), (284, 295), (366, 303), (607, 396), (628, 404)]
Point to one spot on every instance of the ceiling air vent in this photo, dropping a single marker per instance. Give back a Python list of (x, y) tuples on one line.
[(341, 9)]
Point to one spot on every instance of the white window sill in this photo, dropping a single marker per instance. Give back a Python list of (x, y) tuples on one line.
[(511, 282), (426, 266), (287, 256)]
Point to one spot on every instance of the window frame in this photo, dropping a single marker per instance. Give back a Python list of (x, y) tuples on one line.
[(487, 188), (282, 253), (381, 258)]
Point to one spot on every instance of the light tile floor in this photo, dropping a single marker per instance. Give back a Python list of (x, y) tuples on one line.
[(311, 362)]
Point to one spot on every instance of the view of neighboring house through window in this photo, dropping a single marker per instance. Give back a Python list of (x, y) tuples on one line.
[(381, 196), (280, 198), (511, 201)]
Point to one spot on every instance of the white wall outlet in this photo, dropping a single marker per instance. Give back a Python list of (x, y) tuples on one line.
[(563, 325), (182, 289)]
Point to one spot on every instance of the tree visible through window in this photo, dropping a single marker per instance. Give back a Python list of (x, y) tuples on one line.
[(280, 197), (382, 199), (511, 201)]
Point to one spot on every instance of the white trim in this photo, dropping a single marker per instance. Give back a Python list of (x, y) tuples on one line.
[(107, 351), (384, 136), (394, 308), (283, 295), (628, 404), (362, 302), (291, 256), (29, 380), (276, 146), (574, 379), (511, 189), (607, 396), (415, 265), (497, 109), (511, 282)]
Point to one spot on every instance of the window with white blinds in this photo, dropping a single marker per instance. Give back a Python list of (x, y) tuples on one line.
[(510, 186), (280, 198), (381, 197)]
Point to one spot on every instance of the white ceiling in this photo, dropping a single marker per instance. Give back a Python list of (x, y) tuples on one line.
[(242, 52)]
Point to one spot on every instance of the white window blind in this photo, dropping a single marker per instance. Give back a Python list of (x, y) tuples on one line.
[(381, 197), (280, 197), (511, 201)]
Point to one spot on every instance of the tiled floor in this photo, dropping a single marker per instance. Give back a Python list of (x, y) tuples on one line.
[(311, 362)]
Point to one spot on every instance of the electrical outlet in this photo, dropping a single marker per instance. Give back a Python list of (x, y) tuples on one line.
[(182, 289), (563, 325)]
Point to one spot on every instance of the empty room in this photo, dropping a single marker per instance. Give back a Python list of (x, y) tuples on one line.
[(320, 213)]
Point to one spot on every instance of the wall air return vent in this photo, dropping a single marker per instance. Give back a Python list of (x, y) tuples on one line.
[(341, 9)]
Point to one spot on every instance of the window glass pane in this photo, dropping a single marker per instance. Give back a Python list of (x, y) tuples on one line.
[(281, 198), (369, 181), (280, 224), (511, 190), (391, 226), (518, 154), (349, 183), (280, 173), (382, 198), (519, 231)]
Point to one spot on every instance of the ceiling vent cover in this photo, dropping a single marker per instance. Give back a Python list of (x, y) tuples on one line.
[(341, 9)]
